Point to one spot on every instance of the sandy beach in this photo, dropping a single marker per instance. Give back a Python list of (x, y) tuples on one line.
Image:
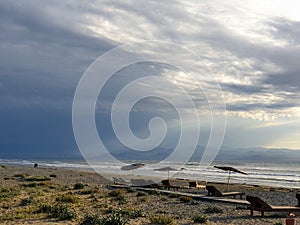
[(60, 196)]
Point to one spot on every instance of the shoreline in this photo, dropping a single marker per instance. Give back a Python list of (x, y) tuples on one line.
[(95, 199), (284, 179)]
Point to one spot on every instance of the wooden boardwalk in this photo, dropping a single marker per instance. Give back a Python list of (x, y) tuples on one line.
[(195, 196)]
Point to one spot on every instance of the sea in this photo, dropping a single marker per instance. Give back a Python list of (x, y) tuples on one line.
[(283, 174)]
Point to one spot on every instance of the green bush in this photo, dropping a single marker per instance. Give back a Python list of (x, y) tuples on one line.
[(36, 178), (26, 201), (185, 199), (115, 218), (62, 212), (200, 219), (153, 192), (172, 195), (161, 219), (121, 199), (136, 213), (213, 209), (140, 193), (68, 198), (78, 186), (92, 220), (86, 192), (8, 192), (131, 213), (116, 193), (34, 184)]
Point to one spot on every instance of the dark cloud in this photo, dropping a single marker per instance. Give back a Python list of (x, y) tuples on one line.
[(45, 48)]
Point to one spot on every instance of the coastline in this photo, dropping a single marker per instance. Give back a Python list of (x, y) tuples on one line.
[(94, 199), (274, 174)]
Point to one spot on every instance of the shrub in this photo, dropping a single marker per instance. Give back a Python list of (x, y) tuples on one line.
[(62, 212), (115, 219), (34, 184), (44, 208), (131, 213), (86, 192), (213, 209), (52, 175), (161, 219), (116, 193), (36, 178), (121, 199), (185, 199), (153, 192), (26, 201), (78, 186), (68, 198), (137, 213), (92, 220), (200, 219), (140, 193), (172, 195), (8, 192)]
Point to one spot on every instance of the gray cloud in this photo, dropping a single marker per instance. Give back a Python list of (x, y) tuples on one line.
[(45, 48)]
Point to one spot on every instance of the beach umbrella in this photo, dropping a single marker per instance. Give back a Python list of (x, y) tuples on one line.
[(229, 169), (132, 166), (168, 169)]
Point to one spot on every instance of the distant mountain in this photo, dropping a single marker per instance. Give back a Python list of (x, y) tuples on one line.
[(258, 154), (225, 154)]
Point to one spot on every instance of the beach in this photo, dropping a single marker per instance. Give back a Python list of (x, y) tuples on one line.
[(46, 195)]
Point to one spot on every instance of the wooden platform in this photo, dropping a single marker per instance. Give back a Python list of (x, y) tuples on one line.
[(194, 196)]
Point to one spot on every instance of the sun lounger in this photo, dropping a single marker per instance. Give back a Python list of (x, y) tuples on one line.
[(138, 182), (259, 205), (213, 191), (298, 198), (175, 184), (120, 181), (195, 184), (144, 183)]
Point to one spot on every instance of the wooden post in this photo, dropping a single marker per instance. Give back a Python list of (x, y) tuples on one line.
[(290, 221)]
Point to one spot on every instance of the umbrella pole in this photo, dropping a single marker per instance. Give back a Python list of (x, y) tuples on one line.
[(228, 179), (168, 174)]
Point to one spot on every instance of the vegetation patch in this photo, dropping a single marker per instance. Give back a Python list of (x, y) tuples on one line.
[(185, 199), (161, 219), (78, 186), (34, 184), (68, 198), (36, 178), (116, 193), (213, 209), (141, 193), (62, 212), (26, 201), (92, 220), (200, 219)]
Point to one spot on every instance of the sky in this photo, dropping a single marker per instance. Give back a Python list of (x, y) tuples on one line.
[(250, 49)]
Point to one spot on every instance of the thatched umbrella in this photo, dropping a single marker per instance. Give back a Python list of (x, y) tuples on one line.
[(132, 166), (168, 169), (229, 169)]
